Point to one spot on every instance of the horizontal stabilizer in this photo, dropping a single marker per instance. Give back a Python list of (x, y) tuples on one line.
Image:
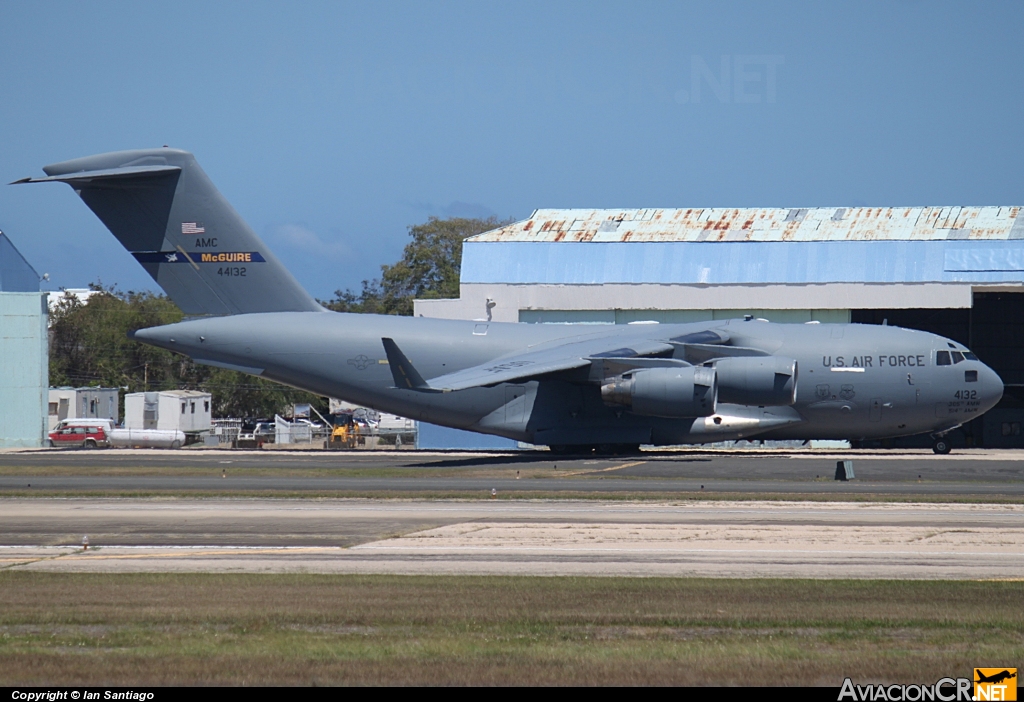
[(103, 174)]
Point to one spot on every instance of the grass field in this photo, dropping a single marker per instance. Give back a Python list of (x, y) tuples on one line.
[(326, 630)]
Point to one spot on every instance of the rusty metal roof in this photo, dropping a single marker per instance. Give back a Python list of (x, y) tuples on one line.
[(765, 224)]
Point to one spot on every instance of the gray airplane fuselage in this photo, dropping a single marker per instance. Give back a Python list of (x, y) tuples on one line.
[(563, 386), (855, 381)]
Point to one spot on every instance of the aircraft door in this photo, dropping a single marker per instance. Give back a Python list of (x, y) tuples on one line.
[(875, 415)]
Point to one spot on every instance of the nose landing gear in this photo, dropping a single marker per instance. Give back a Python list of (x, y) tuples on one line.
[(940, 445)]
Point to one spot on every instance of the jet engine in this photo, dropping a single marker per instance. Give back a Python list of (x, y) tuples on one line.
[(765, 381), (676, 392)]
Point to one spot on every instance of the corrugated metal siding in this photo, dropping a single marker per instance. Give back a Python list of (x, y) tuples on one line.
[(745, 262), (765, 224)]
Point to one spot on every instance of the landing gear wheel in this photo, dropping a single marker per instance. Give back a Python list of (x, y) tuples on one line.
[(571, 449), (941, 446)]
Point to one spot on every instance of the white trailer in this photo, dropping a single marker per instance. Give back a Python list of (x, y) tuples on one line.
[(188, 411), (81, 403)]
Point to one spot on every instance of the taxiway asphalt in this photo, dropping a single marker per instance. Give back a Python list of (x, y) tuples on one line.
[(980, 473)]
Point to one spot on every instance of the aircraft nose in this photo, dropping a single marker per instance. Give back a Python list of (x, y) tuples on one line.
[(991, 387)]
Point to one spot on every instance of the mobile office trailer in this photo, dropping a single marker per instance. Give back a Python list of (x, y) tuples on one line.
[(183, 410), (81, 403)]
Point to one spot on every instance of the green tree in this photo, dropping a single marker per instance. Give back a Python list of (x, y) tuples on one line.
[(90, 346), (429, 269), (239, 395), (89, 343)]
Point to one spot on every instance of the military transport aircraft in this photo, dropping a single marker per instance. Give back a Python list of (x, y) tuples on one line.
[(572, 388)]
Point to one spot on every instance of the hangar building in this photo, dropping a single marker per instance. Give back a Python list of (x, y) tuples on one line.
[(24, 367), (955, 271)]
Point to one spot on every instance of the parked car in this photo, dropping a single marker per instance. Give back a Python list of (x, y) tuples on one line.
[(82, 433), (256, 433), (265, 432)]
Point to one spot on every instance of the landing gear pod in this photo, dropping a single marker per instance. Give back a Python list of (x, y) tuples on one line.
[(665, 392), (761, 381)]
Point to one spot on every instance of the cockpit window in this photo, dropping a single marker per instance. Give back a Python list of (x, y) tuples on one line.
[(957, 356), (970, 376), (970, 356), (942, 358)]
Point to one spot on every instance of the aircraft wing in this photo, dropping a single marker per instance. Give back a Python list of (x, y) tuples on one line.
[(702, 353), (522, 366)]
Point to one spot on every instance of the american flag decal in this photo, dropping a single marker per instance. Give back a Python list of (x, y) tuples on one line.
[(192, 228)]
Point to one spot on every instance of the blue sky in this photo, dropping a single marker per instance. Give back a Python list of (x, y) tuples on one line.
[(334, 126)]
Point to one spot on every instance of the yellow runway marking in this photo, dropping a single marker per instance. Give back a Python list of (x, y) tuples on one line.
[(605, 470), (29, 560), (188, 553)]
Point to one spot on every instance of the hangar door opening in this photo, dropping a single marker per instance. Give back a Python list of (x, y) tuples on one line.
[(993, 329)]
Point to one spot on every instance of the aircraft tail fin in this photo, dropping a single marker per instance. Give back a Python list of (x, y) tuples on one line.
[(164, 209)]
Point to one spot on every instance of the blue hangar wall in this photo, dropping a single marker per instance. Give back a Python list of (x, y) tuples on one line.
[(24, 380)]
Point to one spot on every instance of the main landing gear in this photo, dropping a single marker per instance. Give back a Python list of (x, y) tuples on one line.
[(599, 449)]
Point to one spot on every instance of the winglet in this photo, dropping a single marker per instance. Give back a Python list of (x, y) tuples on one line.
[(406, 377)]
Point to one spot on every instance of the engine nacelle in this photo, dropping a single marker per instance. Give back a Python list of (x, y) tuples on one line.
[(676, 392), (766, 381)]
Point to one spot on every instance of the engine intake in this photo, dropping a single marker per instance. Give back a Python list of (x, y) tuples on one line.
[(766, 381), (674, 392)]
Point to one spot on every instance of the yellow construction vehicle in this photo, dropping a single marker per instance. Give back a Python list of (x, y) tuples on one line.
[(345, 434)]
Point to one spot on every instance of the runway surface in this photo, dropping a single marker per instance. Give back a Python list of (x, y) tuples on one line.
[(981, 473), (201, 510), (541, 537)]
